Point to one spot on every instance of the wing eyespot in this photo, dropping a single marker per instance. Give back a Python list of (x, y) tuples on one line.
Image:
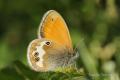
[(37, 59), (36, 54), (52, 19), (48, 43)]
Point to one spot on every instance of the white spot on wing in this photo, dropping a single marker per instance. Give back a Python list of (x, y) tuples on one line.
[(41, 52)]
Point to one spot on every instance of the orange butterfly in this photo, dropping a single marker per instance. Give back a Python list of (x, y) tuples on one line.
[(53, 48)]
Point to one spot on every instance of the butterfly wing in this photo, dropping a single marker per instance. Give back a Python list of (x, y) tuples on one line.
[(53, 27)]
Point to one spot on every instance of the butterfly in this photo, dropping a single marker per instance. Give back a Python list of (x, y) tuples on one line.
[(53, 47)]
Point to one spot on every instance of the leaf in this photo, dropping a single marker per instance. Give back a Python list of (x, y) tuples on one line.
[(18, 71)]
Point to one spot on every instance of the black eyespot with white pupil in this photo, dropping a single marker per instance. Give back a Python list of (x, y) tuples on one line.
[(36, 54), (37, 59), (48, 43)]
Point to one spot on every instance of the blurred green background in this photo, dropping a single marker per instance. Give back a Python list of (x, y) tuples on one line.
[(96, 23)]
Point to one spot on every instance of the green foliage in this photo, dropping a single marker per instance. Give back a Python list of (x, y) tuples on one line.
[(18, 71)]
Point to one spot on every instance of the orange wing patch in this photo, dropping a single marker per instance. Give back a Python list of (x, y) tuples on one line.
[(53, 27)]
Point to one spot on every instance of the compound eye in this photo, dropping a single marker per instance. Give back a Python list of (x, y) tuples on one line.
[(48, 43)]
